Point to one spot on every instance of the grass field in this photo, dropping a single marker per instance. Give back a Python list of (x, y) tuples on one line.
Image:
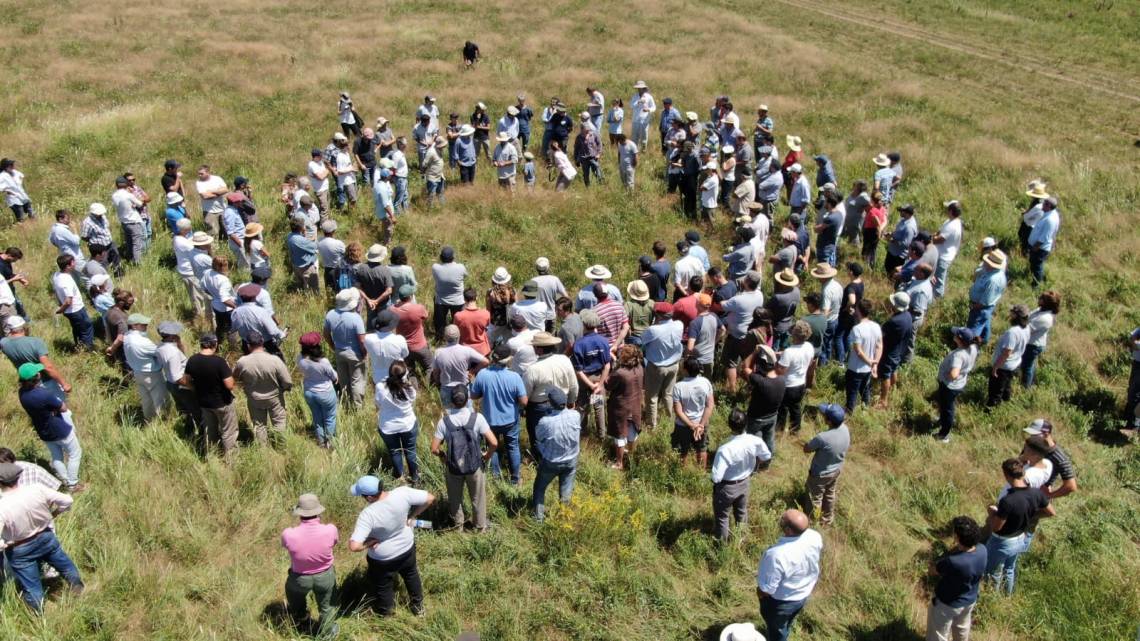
[(979, 97)]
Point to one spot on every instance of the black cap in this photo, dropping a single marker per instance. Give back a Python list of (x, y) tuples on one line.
[(240, 181), (693, 236), (261, 272), (208, 340), (315, 152), (172, 164), (447, 253)]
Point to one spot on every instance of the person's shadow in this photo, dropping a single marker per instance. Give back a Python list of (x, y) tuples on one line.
[(897, 630)]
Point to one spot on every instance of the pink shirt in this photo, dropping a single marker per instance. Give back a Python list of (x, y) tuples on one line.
[(310, 546)]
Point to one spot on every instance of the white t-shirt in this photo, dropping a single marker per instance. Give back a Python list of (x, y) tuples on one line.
[(1034, 477), (7, 296), (534, 312), (12, 184), (797, 358), (951, 230), (395, 416), (866, 334), (125, 204), (344, 169), (1040, 322), (387, 522), (693, 395), (459, 418), (65, 287), (710, 190), (319, 184), (216, 204), (183, 250), (789, 569), (383, 351), (331, 251)]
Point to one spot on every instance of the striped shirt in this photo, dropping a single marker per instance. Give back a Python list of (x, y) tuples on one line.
[(96, 231), (33, 474), (612, 315)]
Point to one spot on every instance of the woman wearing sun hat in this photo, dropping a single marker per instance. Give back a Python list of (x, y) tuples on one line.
[(254, 247), (310, 545), (500, 297), (795, 156)]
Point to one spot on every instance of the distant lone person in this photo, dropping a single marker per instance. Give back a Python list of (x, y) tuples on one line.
[(470, 54)]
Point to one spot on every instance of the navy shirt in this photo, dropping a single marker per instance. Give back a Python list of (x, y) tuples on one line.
[(830, 234), (42, 406), (896, 334), (959, 574), (525, 114), (662, 268), (591, 353)]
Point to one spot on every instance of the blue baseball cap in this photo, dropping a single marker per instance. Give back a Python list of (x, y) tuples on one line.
[(833, 412), (384, 173), (965, 333), (556, 397), (366, 486)]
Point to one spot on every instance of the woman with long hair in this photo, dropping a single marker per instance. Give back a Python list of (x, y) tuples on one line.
[(615, 119), (1040, 322), (319, 383), (624, 389), (953, 373), (254, 248), (499, 300), (395, 399)]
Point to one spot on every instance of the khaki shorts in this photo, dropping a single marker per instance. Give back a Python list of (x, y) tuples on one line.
[(735, 351), (507, 182)]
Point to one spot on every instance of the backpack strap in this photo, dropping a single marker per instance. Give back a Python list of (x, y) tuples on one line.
[(471, 421)]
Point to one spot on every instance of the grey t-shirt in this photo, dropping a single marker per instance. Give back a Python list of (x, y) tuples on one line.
[(963, 359), (449, 282), (1014, 339), (693, 395), (453, 362), (868, 335), (570, 331), (387, 522), (703, 330), (830, 449)]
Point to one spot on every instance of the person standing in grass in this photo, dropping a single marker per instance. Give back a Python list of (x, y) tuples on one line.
[(1042, 238), (524, 115), (693, 402), (959, 571), (557, 442), (947, 240), (27, 538), (395, 400), (732, 470), (21, 348), (986, 292), (615, 120), (1009, 520), (71, 304), (211, 189), (788, 573), (310, 545), (663, 347), (384, 530), (344, 332), (592, 363), (830, 451), (53, 423), (641, 106), (449, 277), (503, 396), (863, 359), (12, 185), (1008, 352), (373, 281), (319, 381), (552, 369), (142, 358), (794, 366), (566, 170), (1040, 322), (953, 374), (265, 380), (899, 240), (213, 382), (588, 150), (217, 285), (411, 316), (898, 332), (701, 335), (303, 257), (921, 293), (456, 443), (385, 345), (624, 392), (172, 359), (506, 160)]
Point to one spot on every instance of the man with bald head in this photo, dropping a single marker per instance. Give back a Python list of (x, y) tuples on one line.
[(788, 573)]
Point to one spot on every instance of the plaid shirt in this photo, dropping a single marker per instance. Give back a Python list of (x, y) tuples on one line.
[(96, 231), (33, 474)]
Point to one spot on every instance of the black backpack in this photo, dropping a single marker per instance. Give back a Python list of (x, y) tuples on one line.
[(463, 454)]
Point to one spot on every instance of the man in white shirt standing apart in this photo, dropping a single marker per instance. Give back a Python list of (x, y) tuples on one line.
[(642, 106), (211, 189), (127, 208), (732, 469), (788, 573), (948, 240)]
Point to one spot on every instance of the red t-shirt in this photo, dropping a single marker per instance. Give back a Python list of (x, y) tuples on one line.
[(876, 217), (411, 325), (685, 310), (472, 324)]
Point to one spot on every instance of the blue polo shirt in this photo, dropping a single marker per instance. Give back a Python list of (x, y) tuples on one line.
[(500, 389), (591, 353), (302, 251), (345, 329), (959, 575), (42, 406)]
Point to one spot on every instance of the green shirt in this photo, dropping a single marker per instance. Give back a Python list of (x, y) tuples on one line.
[(640, 316), (818, 323)]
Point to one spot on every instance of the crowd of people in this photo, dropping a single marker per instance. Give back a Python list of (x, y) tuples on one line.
[(749, 328)]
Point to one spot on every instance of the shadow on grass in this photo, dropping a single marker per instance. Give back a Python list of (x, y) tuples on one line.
[(1100, 405), (671, 529), (897, 630), (712, 632)]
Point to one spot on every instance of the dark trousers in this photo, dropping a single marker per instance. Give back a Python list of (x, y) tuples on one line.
[(947, 406), (892, 262), (672, 182), (1023, 232), (466, 174), (778, 617), (440, 315), (857, 385), (765, 428), (382, 575), (533, 414), (1000, 387), (791, 407), (186, 402), (1037, 259), (81, 329), (689, 196), (590, 166), (730, 497)]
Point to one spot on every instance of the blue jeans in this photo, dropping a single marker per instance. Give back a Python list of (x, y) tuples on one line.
[(840, 343), (947, 405), (546, 474), (941, 272), (1002, 560), (24, 564), (1037, 265), (435, 191), (858, 385), (508, 437), (402, 447), (400, 200), (827, 254), (323, 407), (81, 329), (778, 617), (825, 347), (66, 448), (1029, 364), (979, 321)]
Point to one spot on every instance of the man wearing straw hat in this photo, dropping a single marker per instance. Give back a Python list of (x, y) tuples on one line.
[(884, 178), (989, 285), (1041, 239), (310, 545), (641, 106), (505, 159), (344, 331), (1033, 214)]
